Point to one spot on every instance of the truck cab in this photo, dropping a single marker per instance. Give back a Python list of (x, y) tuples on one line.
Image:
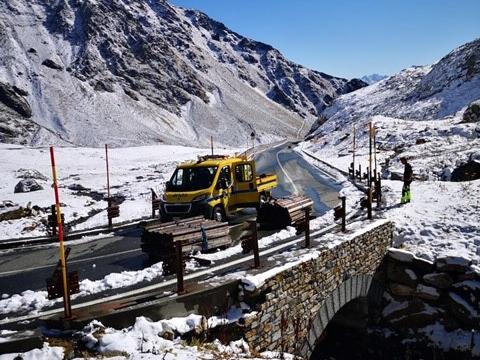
[(214, 186)]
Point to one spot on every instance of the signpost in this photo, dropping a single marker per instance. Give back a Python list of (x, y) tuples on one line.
[(113, 210), (252, 137)]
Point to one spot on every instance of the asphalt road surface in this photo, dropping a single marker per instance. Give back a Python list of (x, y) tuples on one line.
[(27, 269)]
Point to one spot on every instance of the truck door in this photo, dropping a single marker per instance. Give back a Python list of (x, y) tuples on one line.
[(244, 190), (224, 185)]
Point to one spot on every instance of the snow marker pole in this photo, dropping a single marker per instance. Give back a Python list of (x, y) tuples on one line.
[(66, 291), (353, 163), (369, 175), (375, 150), (108, 173), (211, 143), (109, 202)]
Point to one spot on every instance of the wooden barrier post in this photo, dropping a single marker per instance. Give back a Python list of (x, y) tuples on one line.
[(369, 203), (67, 307), (307, 227), (344, 213), (154, 197), (54, 221), (379, 191), (179, 259), (256, 255)]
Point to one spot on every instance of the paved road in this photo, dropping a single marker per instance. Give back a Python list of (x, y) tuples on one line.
[(24, 269)]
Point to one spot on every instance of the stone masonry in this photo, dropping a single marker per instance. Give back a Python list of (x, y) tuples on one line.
[(295, 306)]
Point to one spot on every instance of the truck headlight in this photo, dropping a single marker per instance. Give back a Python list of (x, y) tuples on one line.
[(200, 198)]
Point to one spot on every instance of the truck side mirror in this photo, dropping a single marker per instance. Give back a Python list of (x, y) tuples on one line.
[(168, 185)]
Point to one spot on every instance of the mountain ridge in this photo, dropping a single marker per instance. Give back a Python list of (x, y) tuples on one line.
[(132, 73)]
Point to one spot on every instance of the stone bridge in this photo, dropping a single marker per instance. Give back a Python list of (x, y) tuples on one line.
[(295, 306)]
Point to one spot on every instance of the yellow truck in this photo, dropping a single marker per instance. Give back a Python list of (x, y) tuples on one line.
[(215, 186)]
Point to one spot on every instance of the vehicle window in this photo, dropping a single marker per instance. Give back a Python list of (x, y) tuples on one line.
[(190, 179), (244, 172), (225, 175)]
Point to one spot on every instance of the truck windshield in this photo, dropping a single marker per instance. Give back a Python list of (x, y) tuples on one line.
[(190, 179)]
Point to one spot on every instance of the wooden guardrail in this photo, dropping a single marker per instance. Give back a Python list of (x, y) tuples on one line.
[(195, 234), (284, 212)]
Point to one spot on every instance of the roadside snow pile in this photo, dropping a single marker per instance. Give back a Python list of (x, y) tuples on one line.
[(45, 353), (441, 220), (154, 340), (34, 301), (82, 180)]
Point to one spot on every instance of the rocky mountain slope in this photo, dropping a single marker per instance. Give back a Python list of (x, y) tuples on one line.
[(86, 72), (428, 113)]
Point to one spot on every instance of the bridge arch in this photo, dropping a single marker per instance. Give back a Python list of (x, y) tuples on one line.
[(353, 288)]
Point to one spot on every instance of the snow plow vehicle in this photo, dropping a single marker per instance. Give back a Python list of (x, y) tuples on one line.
[(215, 186)]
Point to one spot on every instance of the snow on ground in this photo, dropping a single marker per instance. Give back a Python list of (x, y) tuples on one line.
[(148, 339), (441, 220), (432, 146), (45, 353), (133, 172)]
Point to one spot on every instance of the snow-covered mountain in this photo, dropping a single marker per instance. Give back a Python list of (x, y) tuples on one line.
[(373, 78), (86, 72), (429, 113)]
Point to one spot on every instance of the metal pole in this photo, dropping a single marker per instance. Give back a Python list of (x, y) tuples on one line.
[(307, 227), (375, 150), (370, 173), (108, 173), (360, 172), (353, 163), (179, 258), (66, 293), (344, 212), (256, 255), (109, 202), (211, 143)]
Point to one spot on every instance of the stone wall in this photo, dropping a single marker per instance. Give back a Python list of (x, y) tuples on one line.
[(295, 306), (419, 293)]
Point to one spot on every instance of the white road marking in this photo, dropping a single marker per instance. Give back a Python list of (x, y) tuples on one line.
[(295, 190)]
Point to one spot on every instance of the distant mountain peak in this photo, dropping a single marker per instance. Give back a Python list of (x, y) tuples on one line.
[(373, 78)]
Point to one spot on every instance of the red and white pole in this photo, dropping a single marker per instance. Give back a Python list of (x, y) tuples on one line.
[(63, 266)]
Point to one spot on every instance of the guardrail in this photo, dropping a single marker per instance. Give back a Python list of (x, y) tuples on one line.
[(159, 240)]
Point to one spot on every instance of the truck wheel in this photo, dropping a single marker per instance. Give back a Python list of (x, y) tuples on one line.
[(218, 214)]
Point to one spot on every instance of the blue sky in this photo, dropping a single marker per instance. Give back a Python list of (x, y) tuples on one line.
[(351, 38)]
